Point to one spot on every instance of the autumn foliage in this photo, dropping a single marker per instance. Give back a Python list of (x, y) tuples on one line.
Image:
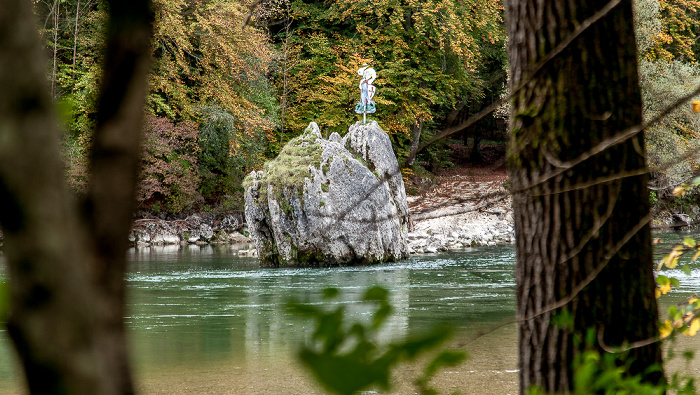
[(224, 97), (170, 172)]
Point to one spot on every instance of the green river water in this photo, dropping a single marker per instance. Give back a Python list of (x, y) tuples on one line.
[(203, 320)]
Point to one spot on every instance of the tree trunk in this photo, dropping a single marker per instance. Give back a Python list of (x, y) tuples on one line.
[(415, 142), (66, 262), (75, 38), (54, 33), (475, 155), (583, 241)]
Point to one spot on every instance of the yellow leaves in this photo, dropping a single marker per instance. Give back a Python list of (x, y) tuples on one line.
[(201, 56), (664, 285), (666, 329), (671, 260), (682, 318), (693, 327), (426, 53)]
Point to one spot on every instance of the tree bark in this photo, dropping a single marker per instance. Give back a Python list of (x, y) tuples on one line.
[(416, 131), (66, 261), (583, 241)]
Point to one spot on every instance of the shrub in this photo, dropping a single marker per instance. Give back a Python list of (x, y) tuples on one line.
[(227, 152), (169, 172), (75, 160), (672, 144)]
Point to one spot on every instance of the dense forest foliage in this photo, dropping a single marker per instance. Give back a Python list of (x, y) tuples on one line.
[(224, 97)]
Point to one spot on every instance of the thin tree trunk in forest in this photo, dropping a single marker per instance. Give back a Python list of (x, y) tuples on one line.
[(75, 36), (415, 142), (285, 68), (54, 70), (583, 239), (67, 261)]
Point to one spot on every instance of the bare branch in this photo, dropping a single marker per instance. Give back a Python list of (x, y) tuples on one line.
[(610, 142)]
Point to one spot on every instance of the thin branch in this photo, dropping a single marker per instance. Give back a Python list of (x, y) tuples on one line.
[(591, 276), (611, 141), (251, 9)]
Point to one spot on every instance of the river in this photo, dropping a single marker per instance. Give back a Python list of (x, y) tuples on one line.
[(204, 321)]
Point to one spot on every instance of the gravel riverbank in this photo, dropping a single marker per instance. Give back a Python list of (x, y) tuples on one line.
[(464, 210), (467, 208)]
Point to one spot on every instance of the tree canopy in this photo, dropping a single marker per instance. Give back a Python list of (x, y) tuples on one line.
[(439, 62), (431, 58)]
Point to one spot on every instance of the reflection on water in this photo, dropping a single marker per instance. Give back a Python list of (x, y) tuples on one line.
[(202, 306)]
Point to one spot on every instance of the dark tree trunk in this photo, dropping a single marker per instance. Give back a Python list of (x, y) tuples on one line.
[(582, 225), (475, 155), (415, 142), (67, 262)]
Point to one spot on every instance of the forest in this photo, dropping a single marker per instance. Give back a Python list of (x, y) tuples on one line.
[(230, 85)]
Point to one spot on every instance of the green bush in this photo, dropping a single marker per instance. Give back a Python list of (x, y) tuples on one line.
[(227, 153)]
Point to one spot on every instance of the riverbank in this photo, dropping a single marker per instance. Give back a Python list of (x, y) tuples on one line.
[(196, 229), (467, 208)]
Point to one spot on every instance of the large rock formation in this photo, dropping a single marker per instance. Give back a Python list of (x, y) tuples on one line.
[(323, 202)]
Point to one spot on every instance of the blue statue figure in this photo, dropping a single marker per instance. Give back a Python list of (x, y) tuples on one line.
[(367, 91)]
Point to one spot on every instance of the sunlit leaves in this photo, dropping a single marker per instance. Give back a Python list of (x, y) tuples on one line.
[(665, 329), (682, 318), (426, 53), (693, 327), (202, 57), (680, 25), (664, 284)]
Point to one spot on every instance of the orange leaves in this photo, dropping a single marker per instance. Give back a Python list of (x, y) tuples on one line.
[(202, 56), (665, 329), (679, 27)]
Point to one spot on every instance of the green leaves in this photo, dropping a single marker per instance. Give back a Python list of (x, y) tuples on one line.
[(428, 56), (345, 357)]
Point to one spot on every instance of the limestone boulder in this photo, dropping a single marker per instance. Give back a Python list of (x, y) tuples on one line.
[(328, 202)]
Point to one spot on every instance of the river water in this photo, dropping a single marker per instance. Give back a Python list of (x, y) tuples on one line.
[(203, 320)]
